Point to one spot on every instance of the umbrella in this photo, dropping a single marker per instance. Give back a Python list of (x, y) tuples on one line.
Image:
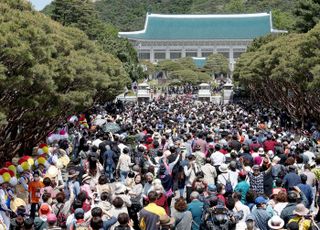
[(99, 122), (111, 127)]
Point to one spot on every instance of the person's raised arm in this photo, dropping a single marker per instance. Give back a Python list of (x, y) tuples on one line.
[(269, 164), (187, 171), (171, 165)]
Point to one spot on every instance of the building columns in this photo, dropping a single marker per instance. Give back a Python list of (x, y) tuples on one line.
[(167, 53), (231, 60), (151, 55), (183, 53), (199, 52)]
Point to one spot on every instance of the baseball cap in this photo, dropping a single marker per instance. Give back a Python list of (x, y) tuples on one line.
[(79, 211), (249, 217), (256, 167), (44, 209), (261, 200)]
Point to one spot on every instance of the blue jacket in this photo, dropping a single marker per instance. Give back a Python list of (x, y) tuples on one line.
[(307, 191), (291, 179), (196, 209)]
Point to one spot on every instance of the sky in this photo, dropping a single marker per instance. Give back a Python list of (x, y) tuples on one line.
[(40, 4)]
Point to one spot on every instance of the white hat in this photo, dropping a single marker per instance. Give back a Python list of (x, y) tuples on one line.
[(276, 159), (275, 222), (223, 168), (261, 151), (119, 188), (270, 154), (52, 172)]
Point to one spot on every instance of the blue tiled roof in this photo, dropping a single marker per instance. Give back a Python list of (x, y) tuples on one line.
[(202, 27)]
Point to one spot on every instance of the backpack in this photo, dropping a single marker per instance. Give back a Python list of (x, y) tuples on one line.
[(229, 188), (82, 226), (142, 224), (61, 218)]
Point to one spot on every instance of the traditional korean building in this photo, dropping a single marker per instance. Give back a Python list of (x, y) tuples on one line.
[(176, 36)]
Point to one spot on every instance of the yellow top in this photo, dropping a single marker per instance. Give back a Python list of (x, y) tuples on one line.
[(304, 224), (152, 207)]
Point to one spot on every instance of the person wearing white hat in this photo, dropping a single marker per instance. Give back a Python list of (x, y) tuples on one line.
[(275, 223), (4, 213), (224, 176), (86, 178), (120, 191)]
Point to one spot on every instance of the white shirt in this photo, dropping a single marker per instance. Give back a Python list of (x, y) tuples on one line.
[(122, 147), (223, 177), (97, 142), (279, 207), (209, 173), (218, 158), (124, 162), (310, 155), (234, 177), (190, 173), (241, 207)]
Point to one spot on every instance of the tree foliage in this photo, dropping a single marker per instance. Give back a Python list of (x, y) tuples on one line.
[(148, 68), (308, 15), (217, 64), (129, 15), (182, 71), (83, 15), (284, 73), (47, 71), (187, 62)]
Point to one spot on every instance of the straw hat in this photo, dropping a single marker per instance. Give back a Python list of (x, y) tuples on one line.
[(52, 172), (65, 160), (17, 202), (276, 222), (301, 210), (73, 173), (223, 168), (85, 177)]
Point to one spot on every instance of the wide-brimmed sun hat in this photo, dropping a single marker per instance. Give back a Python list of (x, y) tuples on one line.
[(73, 173), (85, 177), (119, 188), (275, 222), (223, 168), (17, 202), (300, 210)]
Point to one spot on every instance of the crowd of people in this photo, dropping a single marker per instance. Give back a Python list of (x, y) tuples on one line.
[(173, 163)]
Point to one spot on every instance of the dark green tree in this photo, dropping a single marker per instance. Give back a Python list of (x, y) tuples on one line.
[(47, 72), (284, 74), (83, 15), (77, 13), (308, 15), (217, 64)]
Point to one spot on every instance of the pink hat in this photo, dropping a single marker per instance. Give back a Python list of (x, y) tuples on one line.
[(51, 217), (258, 160), (62, 132)]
